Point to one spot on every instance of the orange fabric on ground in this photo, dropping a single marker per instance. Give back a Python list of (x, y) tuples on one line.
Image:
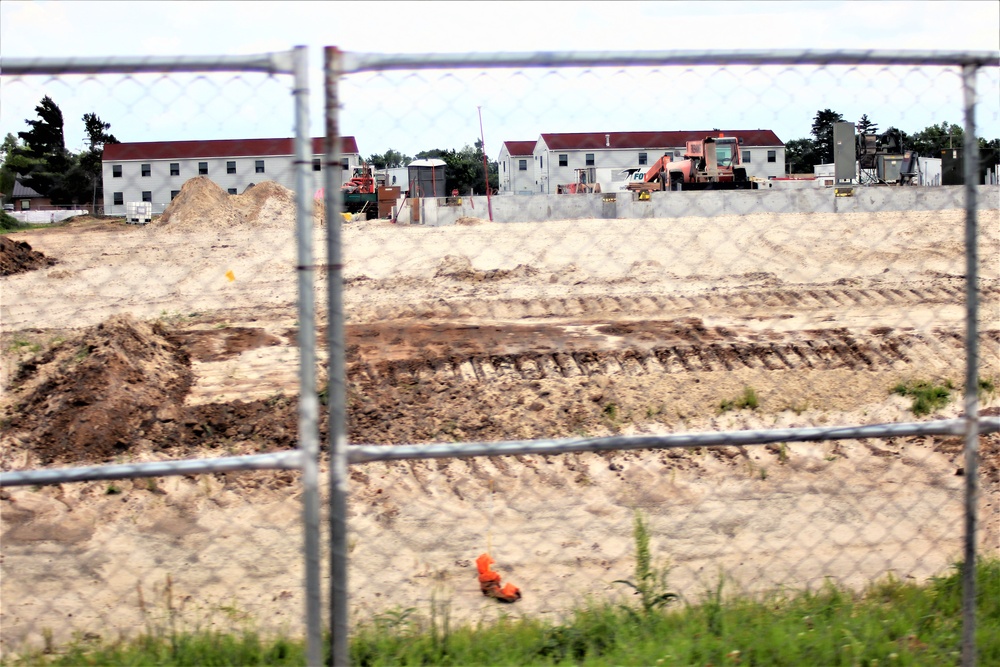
[(489, 582)]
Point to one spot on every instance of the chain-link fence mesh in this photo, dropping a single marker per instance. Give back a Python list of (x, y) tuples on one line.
[(153, 340), (590, 301), (616, 282)]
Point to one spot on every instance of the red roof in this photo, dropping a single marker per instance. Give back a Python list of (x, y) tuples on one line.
[(520, 147), (165, 150), (675, 139)]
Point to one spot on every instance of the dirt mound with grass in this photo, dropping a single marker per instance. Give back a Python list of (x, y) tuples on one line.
[(18, 257), (85, 399)]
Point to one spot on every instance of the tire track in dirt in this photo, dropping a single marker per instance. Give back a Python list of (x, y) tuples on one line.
[(818, 351), (736, 300)]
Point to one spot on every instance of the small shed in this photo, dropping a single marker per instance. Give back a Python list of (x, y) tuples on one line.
[(427, 178)]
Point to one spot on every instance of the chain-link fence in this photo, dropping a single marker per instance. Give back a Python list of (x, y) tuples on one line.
[(640, 305), (161, 341)]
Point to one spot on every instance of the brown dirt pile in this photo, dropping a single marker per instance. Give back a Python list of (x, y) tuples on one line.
[(85, 398), (119, 389), (201, 205), (18, 257)]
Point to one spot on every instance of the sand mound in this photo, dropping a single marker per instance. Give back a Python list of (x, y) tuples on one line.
[(18, 257), (458, 267), (468, 221), (203, 205)]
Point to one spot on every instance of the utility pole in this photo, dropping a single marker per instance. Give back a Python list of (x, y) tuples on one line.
[(486, 168)]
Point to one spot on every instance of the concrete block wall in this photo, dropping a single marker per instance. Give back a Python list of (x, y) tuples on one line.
[(539, 208)]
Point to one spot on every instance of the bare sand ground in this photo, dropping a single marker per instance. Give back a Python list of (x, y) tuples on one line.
[(490, 331)]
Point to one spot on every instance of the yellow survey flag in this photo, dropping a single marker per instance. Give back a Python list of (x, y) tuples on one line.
[(230, 275)]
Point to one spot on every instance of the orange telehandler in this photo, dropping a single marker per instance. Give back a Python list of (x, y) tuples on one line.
[(712, 163)]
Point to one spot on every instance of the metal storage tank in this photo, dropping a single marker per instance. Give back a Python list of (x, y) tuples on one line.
[(427, 178)]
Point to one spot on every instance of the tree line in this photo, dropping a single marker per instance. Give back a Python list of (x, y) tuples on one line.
[(463, 168), (39, 158), (802, 154)]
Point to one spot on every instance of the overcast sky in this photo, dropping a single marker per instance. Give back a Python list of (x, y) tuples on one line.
[(439, 110)]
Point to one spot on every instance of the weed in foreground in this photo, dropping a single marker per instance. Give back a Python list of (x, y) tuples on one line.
[(650, 580)]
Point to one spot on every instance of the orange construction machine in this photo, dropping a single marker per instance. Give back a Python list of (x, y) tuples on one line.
[(712, 163)]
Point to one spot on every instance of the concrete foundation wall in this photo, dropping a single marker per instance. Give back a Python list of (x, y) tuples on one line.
[(539, 208)]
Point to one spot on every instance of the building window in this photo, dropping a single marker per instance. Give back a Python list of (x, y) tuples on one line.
[(25, 204), (202, 168), (259, 168), (642, 158), (231, 167), (504, 166), (746, 157), (522, 165), (119, 199), (344, 164), (231, 191), (147, 195), (175, 168), (316, 164), (563, 160), (772, 156), (174, 193), (590, 159), (116, 171), (541, 164), (146, 170)]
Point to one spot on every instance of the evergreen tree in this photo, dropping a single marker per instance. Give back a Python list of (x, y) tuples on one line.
[(822, 130)]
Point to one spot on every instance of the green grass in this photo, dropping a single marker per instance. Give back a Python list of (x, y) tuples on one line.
[(892, 622), (748, 399), (927, 396), (9, 224)]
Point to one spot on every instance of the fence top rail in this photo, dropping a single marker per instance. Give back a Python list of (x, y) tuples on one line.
[(272, 63), (366, 453), (361, 62)]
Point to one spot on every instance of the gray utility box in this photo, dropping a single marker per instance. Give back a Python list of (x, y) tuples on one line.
[(138, 212), (889, 168), (844, 153)]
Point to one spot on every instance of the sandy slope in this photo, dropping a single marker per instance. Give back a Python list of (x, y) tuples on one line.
[(75, 557)]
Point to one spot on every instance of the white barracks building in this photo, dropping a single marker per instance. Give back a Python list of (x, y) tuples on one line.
[(538, 167), (154, 171)]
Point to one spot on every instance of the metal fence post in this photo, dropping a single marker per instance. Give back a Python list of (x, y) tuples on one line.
[(337, 426), (971, 164), (308, 399)]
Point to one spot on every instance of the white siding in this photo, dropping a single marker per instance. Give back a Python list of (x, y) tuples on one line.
[(553, 175), (759, 167), (160, 184), (512, 179)]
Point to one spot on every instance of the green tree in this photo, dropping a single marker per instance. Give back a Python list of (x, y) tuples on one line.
[(822, 130), (935, 138), (866, 126), (464, 168), (43, 154), (391, 159), (90, 161), (8, 167), (801, 155)]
